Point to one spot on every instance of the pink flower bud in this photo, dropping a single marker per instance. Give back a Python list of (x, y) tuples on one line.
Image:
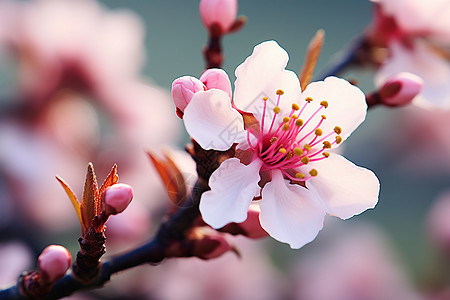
[(211, 245), (219, 12), (183, 89), (400, 89), (53, 263), (116, 198), (216, 79), (250, 228)]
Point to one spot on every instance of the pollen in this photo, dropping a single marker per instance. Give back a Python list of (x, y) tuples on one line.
[(273, 140), (286, 127), (282, 150), (326, 154), (295, 106), (326, 145), (308, 99), (318, 132), (289, 155), (338, 130), (294, 117), (280, 92), (299, 175), (313, 172), (286, 119), (299, 122), (324, 104), (338, 139), (276, 110), (307, 147), (265, 98), (305, 160), (324, 117), (298, 151)]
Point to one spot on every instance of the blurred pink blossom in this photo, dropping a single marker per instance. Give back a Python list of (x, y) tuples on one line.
[(356, 265), (438, 222), (225, 278), (417, 35), (15, 257)]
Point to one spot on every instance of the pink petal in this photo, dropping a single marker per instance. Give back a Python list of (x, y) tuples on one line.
[(261, 75), (212, 122), (290, 213), (233, 186), (217, 79), (344, 188), (346, 105)]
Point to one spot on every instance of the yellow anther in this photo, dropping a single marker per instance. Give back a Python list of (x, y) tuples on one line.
[(282, 150), (295, 106), (273, 140), (326, 154), (313, 172), (286, 119), (307, 147), (265, 98), (338, 139), (324, 104), (289, 155), (286, 127), (308, 99), (305, 160), (338, 130), (280, 92), (299, 175), (294, 117), (298, 122), (326, 145), (298, 151), (318, 132), (276, 110), (324, 117)]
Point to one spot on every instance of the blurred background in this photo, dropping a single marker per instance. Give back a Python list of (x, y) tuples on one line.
[(110, 101)]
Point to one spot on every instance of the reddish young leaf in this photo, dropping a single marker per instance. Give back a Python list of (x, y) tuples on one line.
[(90, 194), (110, 180), (312, 55), (72, 197)]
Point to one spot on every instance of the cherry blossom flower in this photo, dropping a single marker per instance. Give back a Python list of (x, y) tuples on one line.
[(282, 153), (416, 34)]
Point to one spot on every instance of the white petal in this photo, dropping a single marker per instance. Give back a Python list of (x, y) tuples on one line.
[(344, 188), (347, 105), (212, 122), (233, 186), (290, 213), (261, 75), (423, 62)]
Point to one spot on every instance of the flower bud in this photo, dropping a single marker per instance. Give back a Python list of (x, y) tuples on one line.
[(53, 263), (250, 228), (183, 89), (400, 89), (116, 198), (219, 12), (217, 79), (210, 244)]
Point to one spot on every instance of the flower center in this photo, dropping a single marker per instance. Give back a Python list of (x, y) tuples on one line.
[(286, 143)]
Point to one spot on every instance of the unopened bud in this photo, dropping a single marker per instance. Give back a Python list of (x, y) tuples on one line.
[(116, 198), (211, 246), (216, 79), (250, 228), (218, 12), (400, 89), (53, 263), (183, 89)]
